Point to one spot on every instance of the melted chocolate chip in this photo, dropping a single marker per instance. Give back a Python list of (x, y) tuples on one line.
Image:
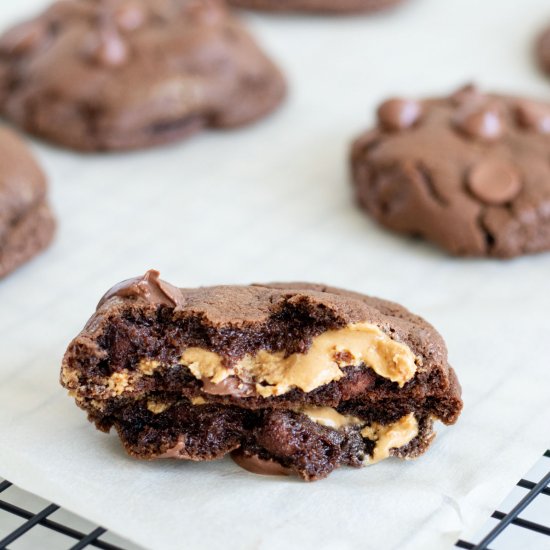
[(481, 120), (230, 386), (257, 465), (494, 181), (106, 48), (533, 116), (399, 114), (149, 287)]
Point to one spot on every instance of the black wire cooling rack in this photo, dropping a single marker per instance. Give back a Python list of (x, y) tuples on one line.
[(69, 537), (531, 534), (505, 530)]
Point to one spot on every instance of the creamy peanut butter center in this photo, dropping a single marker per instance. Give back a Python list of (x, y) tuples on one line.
[(392, 436), (387, 437), (329, 417), (275, 374)]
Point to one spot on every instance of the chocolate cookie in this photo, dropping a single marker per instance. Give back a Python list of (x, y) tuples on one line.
[(543, 51), (26, 222), (124, 74), (289, 378), (470, 172), (337, 6)]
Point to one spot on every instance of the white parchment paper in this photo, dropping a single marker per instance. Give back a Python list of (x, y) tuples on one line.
[(272, 202)]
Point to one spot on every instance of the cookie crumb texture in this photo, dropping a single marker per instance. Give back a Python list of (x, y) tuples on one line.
[(287, 378), (469, 172), (328, 6), (125, 74), (27, 224)]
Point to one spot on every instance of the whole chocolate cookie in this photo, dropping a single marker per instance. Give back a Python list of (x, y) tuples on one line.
[(470, 172), (124, 74), (26, 222), (289, 378), (337, 6)]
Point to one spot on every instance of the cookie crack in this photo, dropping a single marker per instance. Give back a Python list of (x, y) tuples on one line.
[(487, 234), (427, 180), (180, 124)]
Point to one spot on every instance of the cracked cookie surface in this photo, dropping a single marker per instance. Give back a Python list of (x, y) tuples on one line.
[(125, 74), (470, 172)]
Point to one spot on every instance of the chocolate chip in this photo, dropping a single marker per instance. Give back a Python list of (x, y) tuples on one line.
[(480, 119), (23, 37), (494, 181), (533, 116), (106, 47), (149, 288), (130, 16), (469, 92), (399, 114)]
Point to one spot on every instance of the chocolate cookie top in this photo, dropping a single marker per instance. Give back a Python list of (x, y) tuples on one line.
[(316, 5), (469, 172), (22, 182), (277, 316), (120, 74)]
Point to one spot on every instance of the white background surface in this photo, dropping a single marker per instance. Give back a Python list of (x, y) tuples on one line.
[(272, 202)]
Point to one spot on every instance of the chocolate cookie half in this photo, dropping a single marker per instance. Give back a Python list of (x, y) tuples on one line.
[(469, 172), (288, 378), (337, 6), (124, 74), (26, 221)]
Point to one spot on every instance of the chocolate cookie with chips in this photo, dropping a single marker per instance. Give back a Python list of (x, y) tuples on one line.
[(26, 222), (470, 172), (125, 74), (288, 378)]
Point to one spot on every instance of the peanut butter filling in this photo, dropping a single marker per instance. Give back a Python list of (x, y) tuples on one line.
[(329, 417), (392, 436), (275, 374)]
